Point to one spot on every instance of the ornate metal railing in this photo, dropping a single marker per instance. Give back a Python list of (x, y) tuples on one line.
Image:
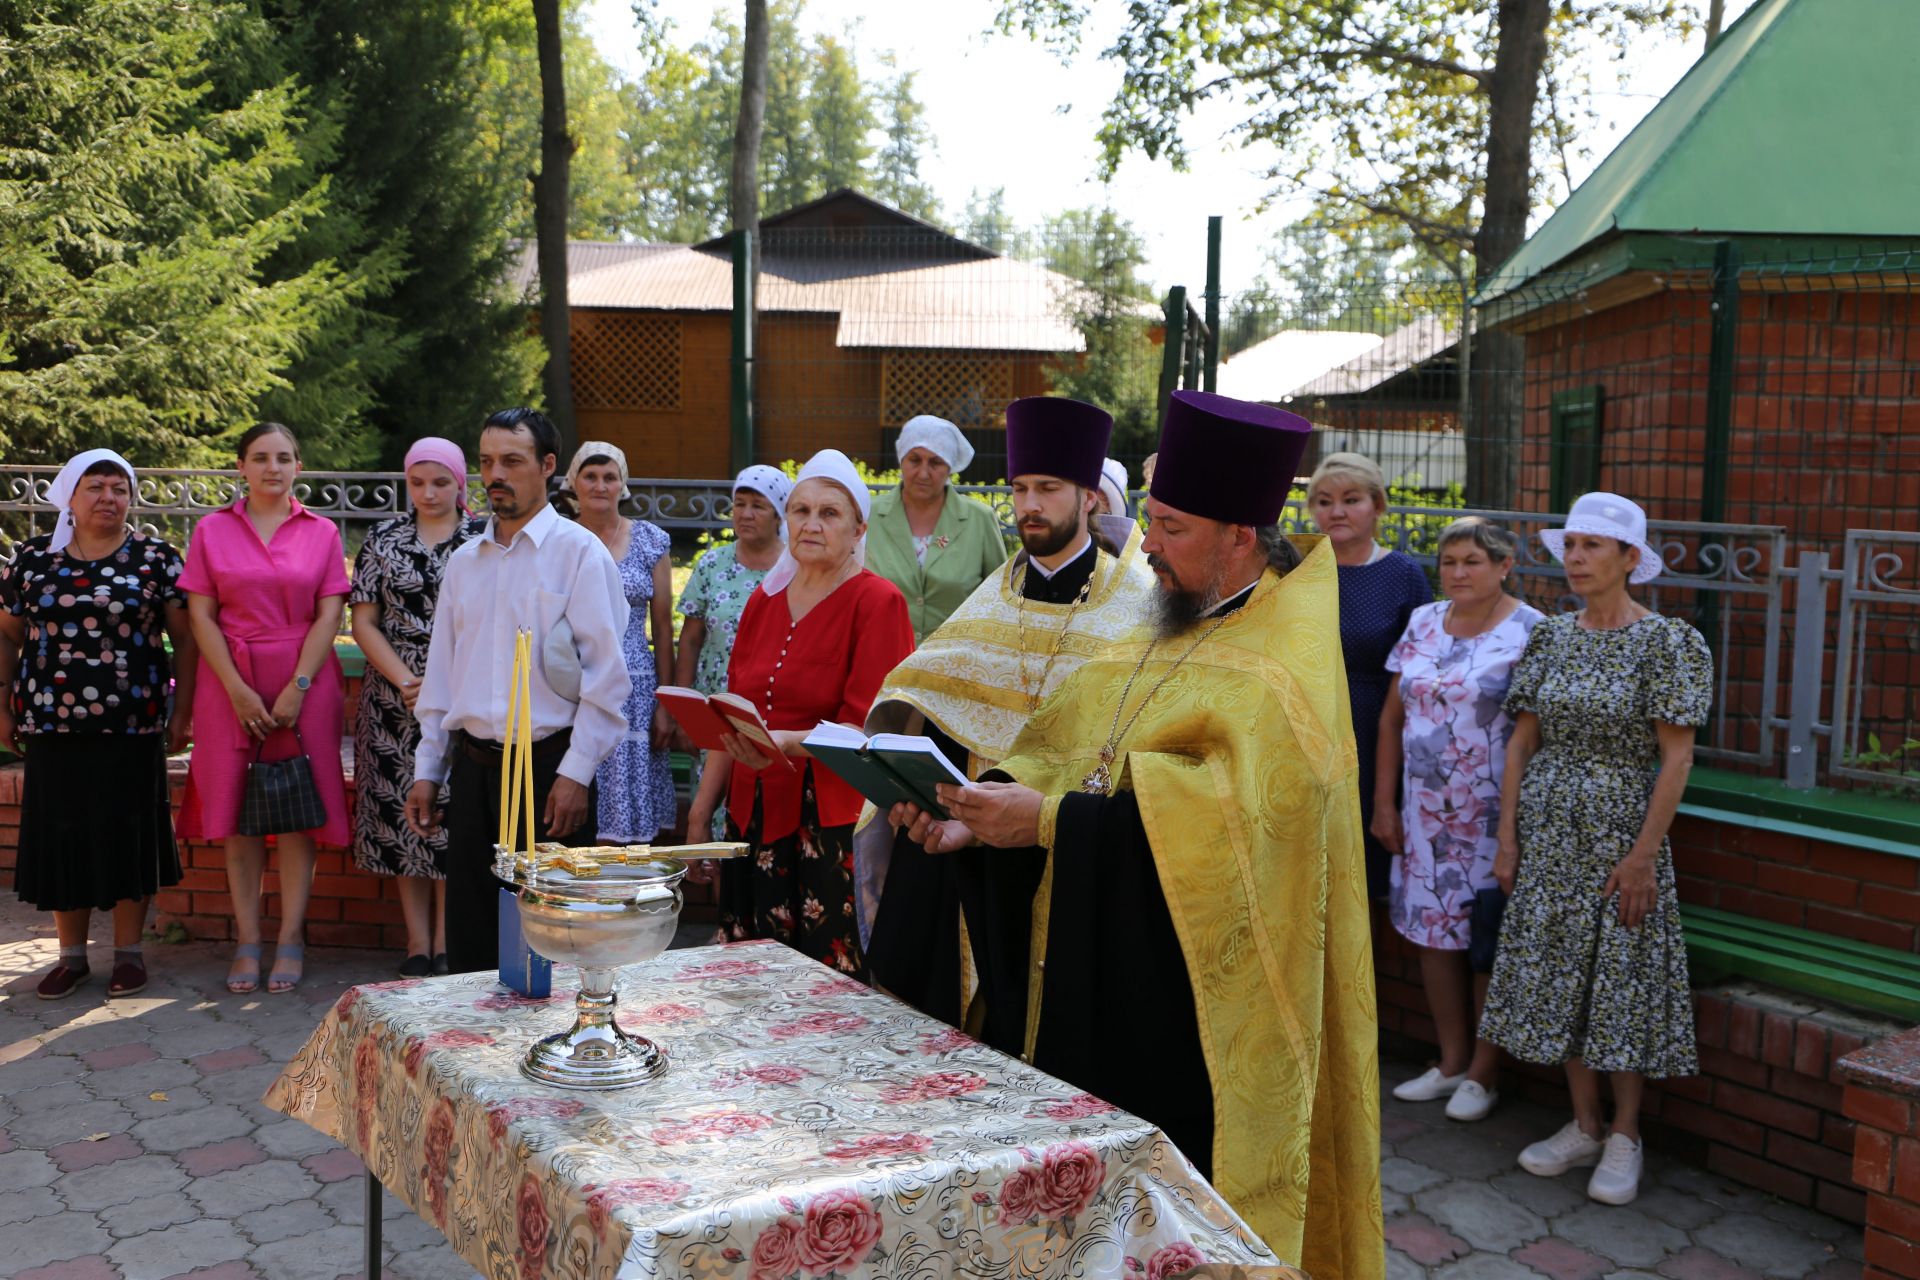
[(1876, 678), (1731, 580)]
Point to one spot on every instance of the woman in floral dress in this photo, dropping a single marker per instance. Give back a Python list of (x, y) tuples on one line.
[(396, 580), (636, 781), (710, 605), (1443, 721), (1592, 967)]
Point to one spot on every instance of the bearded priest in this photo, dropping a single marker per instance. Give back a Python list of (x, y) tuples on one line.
[(1175, 836), (971, 687)]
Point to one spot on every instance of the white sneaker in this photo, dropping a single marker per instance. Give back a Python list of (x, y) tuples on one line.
[(1471, 1102), (1568, 1149), (1429, 1087), (1617, 1180)]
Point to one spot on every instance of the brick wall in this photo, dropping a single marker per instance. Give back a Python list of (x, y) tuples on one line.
[(1796, 880), (348, 907), (1883, 1100)]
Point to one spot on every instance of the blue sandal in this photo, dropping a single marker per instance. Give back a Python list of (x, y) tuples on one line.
[(238, 983), (289, 966)]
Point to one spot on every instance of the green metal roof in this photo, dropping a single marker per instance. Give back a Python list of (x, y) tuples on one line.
[(1797, 122)]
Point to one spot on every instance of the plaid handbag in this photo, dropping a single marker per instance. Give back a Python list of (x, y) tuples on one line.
[(280, 796)]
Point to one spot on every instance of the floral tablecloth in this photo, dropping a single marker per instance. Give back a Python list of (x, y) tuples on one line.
[(806, 1127)]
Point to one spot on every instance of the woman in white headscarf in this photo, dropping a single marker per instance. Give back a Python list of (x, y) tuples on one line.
[(931, 543), (93, 706), (636, 781), (817, 638), (710, 604)]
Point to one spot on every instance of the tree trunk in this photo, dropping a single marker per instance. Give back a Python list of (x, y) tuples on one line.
[(1494, 432), (745, 190), (550, 202), (1716, 18)]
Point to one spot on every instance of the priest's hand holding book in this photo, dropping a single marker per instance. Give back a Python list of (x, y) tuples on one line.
[(1004, 815)]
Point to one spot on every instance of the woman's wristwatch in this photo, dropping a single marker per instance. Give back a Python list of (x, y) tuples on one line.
[(302, 683)]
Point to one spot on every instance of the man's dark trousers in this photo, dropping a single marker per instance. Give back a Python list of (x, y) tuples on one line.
[(473, 825)]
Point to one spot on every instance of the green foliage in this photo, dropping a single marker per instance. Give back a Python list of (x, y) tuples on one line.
[(667, 135), (1376, 106), (1335, 271), (1115, 313), (1902, 761), (212, 214), (417, 217), (986, 221), (143, 203)]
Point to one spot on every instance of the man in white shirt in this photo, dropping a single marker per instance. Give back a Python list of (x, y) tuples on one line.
[(532, 569)]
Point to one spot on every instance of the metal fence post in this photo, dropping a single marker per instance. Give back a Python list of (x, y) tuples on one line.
[(1171, 350), (1809, 657), (740, 439), (1211, 371)]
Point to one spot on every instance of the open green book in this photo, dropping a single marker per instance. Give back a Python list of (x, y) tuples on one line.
[(888, 768)]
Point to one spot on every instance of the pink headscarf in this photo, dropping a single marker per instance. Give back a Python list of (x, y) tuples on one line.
[(445, 452)]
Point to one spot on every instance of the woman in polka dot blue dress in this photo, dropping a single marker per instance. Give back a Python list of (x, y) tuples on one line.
[(1379, 590), (86, 613)]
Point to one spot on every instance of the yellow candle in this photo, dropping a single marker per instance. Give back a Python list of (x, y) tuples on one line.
[(506, 753), (510, 776), (526, 739)]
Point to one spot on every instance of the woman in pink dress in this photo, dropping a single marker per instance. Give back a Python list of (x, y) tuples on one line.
[(266, 582)]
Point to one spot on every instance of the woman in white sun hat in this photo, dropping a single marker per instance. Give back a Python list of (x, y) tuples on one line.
[(1592, 966)]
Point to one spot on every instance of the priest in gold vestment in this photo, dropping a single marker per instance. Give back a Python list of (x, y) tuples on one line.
[(973, 684), (1175, 840)]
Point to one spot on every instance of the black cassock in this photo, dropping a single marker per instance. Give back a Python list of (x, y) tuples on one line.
[(1116, 1008), (914, 949)]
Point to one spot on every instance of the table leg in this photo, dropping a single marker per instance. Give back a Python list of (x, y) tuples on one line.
[(373, 1226)]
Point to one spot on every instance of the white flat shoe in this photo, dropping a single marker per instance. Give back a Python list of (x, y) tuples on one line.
[(1471, 1102), (1430, 1087)]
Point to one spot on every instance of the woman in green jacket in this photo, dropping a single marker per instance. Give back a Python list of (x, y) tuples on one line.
[(923, 538)]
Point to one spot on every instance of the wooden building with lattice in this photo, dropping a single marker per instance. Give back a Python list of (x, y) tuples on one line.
[(867, 317)]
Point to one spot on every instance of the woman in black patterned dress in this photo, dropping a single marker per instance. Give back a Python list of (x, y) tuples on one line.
[(396, 579)]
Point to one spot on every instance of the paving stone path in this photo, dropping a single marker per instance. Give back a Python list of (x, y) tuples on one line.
[(193, 1177)]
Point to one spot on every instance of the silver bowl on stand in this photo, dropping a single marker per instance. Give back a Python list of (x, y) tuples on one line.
[(624, 915)]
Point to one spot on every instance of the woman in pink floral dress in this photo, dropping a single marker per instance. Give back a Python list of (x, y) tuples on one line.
[(1443, 735)]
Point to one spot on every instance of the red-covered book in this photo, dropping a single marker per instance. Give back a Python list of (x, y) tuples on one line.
[(705, 717)]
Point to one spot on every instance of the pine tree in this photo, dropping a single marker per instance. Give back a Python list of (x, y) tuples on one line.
[(422, 203), (141, 213), (896, 167)]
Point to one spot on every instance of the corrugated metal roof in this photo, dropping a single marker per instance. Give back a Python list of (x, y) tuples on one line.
[(1407, 347), (1277, 367), (991, 304), (1793, 124)]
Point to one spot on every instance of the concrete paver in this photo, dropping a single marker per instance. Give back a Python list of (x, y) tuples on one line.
[(202, 1180)]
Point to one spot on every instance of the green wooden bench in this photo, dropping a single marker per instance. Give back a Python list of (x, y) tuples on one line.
[(1722, 945)]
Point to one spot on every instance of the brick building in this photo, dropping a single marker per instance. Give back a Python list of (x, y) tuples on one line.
[(1720, 320)]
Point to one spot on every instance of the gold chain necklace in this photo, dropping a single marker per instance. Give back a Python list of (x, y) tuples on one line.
[(1100, 781), (1019, 589)]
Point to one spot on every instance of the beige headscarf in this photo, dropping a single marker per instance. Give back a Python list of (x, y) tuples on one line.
[(590, 449)]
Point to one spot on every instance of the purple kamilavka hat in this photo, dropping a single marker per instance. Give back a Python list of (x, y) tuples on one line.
[(1228, 460), (1055, 436)]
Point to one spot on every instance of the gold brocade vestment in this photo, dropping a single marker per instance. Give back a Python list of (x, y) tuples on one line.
[(981, 674), (1244, 770)]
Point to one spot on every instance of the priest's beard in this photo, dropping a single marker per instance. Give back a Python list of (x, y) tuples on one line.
[(1050, 539), (1178, 606)]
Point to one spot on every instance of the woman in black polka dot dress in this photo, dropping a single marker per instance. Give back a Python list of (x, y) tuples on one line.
[(84, 615)]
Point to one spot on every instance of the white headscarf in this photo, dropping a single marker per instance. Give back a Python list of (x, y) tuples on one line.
[(828, 464), (772, 484), (938, 437), (1113, 483), (60, 492)]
